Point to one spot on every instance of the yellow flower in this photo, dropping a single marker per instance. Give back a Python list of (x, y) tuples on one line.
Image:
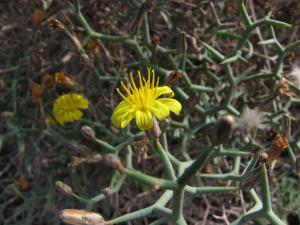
[(67, 107), (143, 103)]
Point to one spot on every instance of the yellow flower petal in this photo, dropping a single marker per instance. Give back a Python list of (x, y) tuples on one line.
[(164, 90), (122, 114), (144, 120), (160, 110), (171, 104)]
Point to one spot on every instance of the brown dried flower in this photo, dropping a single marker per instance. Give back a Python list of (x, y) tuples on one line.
[(173, 77), (36, 93), (224, 129), (279, 144), (282, 89), (142, 149), (155, 40)]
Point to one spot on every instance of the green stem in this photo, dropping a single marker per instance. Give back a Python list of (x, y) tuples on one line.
[(266, 196), (167, 163), (194, 167), (177, 204), (149, 180), (274, 219)]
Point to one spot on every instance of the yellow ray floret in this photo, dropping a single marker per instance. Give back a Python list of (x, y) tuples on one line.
[(67, 107), (143, 102)]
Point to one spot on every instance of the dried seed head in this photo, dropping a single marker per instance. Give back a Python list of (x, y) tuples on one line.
[(114, 162), (64, 188), (88, 132), (249, 119), (81, 217), (279, 144), (224, 129)]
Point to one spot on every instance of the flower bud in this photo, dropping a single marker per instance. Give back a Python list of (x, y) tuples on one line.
[(155, 132), (88, 132), (263, 157), (64, 188), (81, 217), (223, 129), (114, 162), (107, 191)]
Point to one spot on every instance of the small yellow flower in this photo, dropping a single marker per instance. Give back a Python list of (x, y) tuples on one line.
[(67, 107), (143, 103)]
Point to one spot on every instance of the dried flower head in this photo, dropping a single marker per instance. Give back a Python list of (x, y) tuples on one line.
[(174, 76), (294, 75), (93, 46), (282, 89), (67, 107), (23, 183), (48, 81), (36, 93), (81, 217), (143, 103), (279, 144), (141, 149), (62, 79), (38, 16)]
